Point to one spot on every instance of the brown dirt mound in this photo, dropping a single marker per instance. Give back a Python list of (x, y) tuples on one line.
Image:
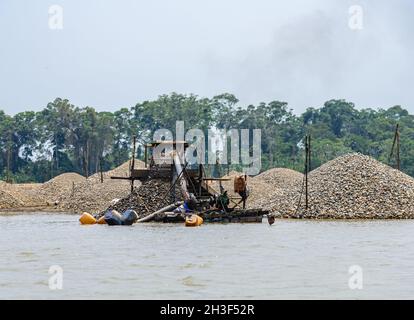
[(93, 196), (281, 177), (26, 193), (277, 190), (53, 190), (71, 191), (8, 201)]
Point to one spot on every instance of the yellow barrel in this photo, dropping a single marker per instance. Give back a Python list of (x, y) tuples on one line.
[(87, 218), (101, 220), (193, 221)]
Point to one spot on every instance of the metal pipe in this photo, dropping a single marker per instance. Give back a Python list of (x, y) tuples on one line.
[(180, 170), (152, 215)]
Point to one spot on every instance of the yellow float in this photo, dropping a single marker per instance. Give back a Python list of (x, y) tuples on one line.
[(101, 220), (87, 218), (193, 221)]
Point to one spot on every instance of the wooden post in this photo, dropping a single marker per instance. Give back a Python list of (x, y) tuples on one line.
[(306, 171), (244, 197), (133, 162), (398, 148), (200, 178), (100, 169), (310, 154), (8, 165), (85, 164), (146, 155), (396, 145)]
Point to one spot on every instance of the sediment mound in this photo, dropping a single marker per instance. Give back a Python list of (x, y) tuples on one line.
[(281, 177), (93, 196), (358, 186), (52, 191), (150, 197), (277, 190), (26, 193), (121, 171), (8, 201), (71, 191)]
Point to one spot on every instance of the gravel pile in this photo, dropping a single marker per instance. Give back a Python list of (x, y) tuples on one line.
[(26, 194), (281, 178), (53, 190), (357, 186), (150, 197), (92, 196), (8, 201), (277, 190)]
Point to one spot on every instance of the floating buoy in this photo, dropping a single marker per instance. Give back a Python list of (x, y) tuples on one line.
[(129, 217), (87, 218), (113, 218), (101, 220), (193, 221)]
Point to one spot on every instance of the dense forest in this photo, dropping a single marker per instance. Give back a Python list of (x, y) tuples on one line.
[(35, 146)]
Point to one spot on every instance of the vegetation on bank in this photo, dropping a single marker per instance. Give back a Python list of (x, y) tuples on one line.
[(35, 146)]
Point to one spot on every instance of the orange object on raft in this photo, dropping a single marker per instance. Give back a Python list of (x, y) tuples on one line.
[(87, 218), (193, 221), (101, 220)]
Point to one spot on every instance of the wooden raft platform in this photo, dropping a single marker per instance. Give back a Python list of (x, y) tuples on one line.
[(215, 216)]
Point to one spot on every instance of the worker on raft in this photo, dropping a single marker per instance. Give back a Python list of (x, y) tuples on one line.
[(188, 206)]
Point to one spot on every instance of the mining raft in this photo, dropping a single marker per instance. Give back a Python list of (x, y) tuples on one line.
[(196, 198)]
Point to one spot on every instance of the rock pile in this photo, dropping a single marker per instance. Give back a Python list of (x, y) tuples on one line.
[(52, 191), (281, 178), (8, 201), (277, 190), (150, 197), (93, 196), (357, 186), (26, 194), (70, 192)]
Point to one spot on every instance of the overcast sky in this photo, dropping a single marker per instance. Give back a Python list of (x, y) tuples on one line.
[(111, 54)]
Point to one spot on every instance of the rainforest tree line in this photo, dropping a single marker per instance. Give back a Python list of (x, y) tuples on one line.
[(35, 146)]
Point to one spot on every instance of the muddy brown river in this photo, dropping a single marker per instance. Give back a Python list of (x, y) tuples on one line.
[(50, 256)]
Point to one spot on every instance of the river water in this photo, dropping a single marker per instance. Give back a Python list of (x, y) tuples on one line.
[(291, 259)]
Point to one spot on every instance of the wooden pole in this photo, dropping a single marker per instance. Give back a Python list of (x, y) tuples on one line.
[(146, 155), (100, 169), (398, 148), (310, 154), (133, 162), (200, 178), (8, 165), (396, 145), (306, 171)]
